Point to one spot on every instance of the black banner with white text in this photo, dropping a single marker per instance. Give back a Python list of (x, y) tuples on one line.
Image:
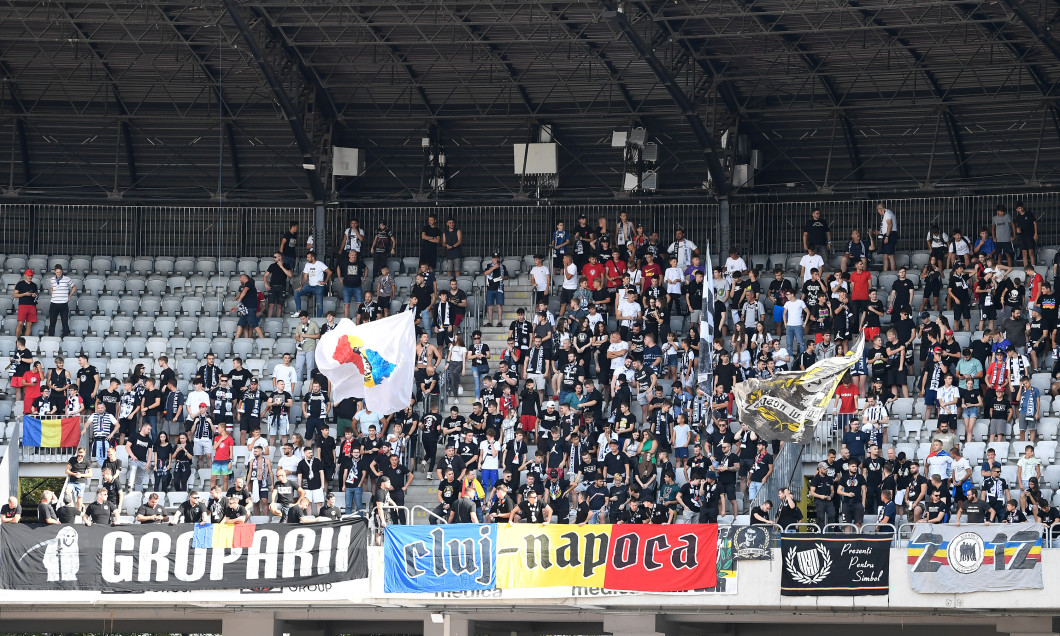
[(137, 558), (834, 565)]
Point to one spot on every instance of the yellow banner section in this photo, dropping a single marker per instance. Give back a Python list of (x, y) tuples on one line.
[(552, 556)]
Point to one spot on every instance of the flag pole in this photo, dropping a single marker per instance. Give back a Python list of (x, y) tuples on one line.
[(705, 367)]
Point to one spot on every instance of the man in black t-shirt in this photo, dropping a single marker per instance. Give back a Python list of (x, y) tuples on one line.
[(532, 510), (101, 511), (26, 291), (821, 492), (193, 510), (11, 512), (330, 512), (275, 281), (447, 493), (151, 511)]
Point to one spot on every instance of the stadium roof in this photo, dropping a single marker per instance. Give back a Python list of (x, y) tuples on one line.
[(146, 100)]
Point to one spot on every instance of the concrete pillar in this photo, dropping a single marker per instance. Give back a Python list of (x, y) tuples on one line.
[(250, 624), (1028, 626), (637, 625), (448, 625)]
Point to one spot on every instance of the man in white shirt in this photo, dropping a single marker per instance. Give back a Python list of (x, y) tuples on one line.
[(734, 263), (809, 262), (628, 310), (541, 277), (617, 350), (63, 288), (196, 396), (888, 238), (939, 463), (570, 283), (795, 316), (682, 248), (673, 278), (285, 372), (315, 277)]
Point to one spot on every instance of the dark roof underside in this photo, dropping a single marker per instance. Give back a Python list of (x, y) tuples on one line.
[(154, 100)]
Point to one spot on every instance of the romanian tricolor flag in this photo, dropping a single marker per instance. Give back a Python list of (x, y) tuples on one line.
[(51, 433), (219, 536)]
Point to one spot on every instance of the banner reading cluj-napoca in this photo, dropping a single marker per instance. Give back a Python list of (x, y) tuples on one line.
[(142, 558), (946, 559), (470, 557)]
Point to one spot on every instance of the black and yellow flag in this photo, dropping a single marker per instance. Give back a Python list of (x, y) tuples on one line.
[(789, 405)]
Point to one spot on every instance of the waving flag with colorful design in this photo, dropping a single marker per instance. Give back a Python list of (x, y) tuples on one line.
[(374, 361)]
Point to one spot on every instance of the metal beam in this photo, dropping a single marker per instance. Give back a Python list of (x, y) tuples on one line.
[(399, 58), (17, 106), (309, 74), (1017, 50), (233, 152), (952, 128), (574, 34), (294, 118), (811, 63), (126, 130), (662, 73)]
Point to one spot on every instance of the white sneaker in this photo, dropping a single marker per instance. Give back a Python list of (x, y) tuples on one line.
[(296, 314)]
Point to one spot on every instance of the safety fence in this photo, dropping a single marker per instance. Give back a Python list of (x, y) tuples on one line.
[(249, 231)]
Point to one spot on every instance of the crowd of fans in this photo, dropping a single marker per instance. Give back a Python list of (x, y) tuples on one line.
[(592, 411)]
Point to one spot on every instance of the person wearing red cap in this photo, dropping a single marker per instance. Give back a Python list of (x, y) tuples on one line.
[(26, 292)]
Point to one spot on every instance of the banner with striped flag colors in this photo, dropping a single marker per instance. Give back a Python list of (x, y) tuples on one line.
[(56, 432)]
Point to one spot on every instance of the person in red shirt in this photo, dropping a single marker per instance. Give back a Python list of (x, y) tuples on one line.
[(648, 271), (860, 282), (222, 458), (846, 403), (1034, 281), (593, 271), (614, 268)]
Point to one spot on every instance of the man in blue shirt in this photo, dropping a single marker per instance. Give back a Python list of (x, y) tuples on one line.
[(856, 441)]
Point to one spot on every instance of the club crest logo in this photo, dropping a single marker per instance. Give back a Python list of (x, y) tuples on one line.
[(966, 552), (809, 567)]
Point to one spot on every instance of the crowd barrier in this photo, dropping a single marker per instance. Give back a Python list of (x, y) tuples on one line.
[(243, 231)]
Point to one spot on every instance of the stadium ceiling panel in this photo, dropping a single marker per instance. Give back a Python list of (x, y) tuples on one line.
[(244, 99)]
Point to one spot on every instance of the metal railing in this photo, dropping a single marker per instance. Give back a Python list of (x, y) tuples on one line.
[(237, 231), (844, 528), (37, 454), (429, 514), (804, 526)]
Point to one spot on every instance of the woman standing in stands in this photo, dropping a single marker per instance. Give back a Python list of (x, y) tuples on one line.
[(181, 462), (163, 462)]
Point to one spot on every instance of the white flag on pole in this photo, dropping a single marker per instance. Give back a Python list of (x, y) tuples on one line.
[(374, 361)]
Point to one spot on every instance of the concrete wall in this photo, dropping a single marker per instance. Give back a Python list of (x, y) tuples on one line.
[(758, 584)]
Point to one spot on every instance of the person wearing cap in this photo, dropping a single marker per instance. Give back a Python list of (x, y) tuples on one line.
[(958, 291), (495, 276), (26, 292), (63, 288), (821, 492)]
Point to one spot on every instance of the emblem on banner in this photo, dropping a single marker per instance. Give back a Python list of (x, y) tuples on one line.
[(61, 558), (966, 552), (809, 567)]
